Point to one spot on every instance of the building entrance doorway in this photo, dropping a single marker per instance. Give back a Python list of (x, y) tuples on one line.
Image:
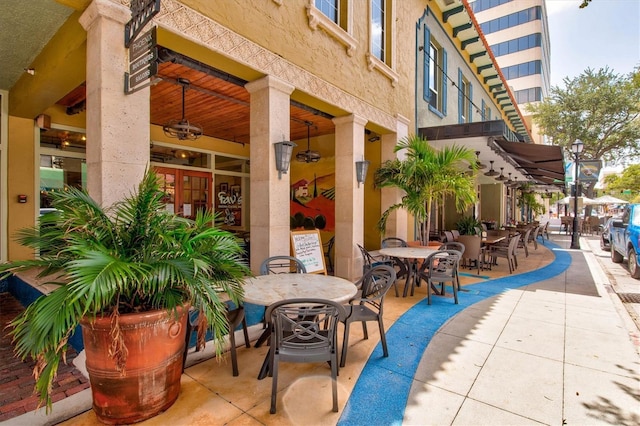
[(186, 191)]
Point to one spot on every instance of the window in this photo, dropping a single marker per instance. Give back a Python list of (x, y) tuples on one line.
[(62, 161), (480, 5), (380, 55), (486, 111), (465, 93), (330, 8), (516, 45), (518, 18), (435, 75), (333, 16), (522, 70), (532, 94), (378, 26)]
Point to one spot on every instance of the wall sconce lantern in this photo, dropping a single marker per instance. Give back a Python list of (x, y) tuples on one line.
[(284, 150), (361, 171)]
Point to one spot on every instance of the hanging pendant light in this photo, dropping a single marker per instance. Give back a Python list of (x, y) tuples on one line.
[(308, 156), (509, 181), (182, 129), (502, 176), (479, 165), (491, 172)]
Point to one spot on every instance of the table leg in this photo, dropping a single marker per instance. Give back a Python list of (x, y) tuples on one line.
[(263, 337), (264, 369)]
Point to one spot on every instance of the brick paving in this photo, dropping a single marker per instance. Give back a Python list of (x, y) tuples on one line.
[(16, 380)]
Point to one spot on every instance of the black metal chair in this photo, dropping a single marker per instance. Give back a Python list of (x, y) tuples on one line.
[(304, 330), (371, 261), (278, 265), (367, 306), (282, 265), (328, 252), (402, 266), (235, 317), (441, 267)]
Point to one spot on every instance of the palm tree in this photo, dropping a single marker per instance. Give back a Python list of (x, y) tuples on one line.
[(131, 257), (427, 174)]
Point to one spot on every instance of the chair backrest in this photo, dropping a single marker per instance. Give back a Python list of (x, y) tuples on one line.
[(394, 242), (282, 265), (455, 234), (366, 256), (472, 246), (329, 245), (448, 235), (304, 330), (513, 244), (454, 245), (375, 283), (442, 263), (524, 239)]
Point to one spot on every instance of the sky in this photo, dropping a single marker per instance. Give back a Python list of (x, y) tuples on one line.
[(605, 33)]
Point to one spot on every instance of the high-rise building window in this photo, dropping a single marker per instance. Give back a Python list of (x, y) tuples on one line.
[(533, 94), (512, 20), (517, 44), (522, 70), (480, 5)]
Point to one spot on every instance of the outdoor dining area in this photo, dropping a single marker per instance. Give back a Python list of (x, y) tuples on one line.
[(312, 349), (592, 224)]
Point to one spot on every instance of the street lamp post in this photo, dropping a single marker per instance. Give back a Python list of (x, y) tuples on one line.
[(576, 149)]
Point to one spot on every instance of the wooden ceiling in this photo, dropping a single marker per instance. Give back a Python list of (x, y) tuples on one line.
[(219, 106)]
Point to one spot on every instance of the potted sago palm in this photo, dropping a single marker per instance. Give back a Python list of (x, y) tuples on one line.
[(128, 275)]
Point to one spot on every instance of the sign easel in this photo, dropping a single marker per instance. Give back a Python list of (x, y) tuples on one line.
[(307, 246)]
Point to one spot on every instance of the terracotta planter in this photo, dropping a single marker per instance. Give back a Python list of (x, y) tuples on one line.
[(151, 380)]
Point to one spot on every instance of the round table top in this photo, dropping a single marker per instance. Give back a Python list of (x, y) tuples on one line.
[(408, 252), (267, 289)]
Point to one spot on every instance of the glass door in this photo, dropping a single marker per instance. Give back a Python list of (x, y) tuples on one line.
[(186, 191)]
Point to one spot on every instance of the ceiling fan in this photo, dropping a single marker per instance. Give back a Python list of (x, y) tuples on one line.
[(308, 156)]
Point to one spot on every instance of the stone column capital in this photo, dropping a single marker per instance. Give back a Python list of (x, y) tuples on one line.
[(106, 9)]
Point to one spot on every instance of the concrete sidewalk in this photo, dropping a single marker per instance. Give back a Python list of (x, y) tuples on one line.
[(559, 351)]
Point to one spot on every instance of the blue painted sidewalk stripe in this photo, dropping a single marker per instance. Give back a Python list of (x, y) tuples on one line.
[(380, 395)]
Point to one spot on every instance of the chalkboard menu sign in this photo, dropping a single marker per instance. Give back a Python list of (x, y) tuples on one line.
[(307, 246)]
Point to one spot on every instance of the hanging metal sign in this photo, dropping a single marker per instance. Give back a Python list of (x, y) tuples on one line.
[(142, 11), (143, 64)]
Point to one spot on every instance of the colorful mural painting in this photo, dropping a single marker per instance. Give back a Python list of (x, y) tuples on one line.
[(313, 203)]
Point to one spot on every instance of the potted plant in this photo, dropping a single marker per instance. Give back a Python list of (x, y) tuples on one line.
[(426, 175), (120, 270), (467, 225)]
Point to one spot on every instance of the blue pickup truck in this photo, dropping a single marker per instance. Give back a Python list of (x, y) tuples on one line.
[(625, 239)]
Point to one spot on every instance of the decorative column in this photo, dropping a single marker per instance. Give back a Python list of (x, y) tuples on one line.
[(269, 194), (397, 225), (118, 134), (349, 197)]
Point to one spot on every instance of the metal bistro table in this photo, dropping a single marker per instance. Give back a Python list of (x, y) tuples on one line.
[(267, 289), (411, 254)]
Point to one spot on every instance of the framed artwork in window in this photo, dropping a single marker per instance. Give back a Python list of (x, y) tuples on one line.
[(224, 187)]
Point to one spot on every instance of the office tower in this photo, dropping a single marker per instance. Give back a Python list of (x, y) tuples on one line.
[(518, 34)]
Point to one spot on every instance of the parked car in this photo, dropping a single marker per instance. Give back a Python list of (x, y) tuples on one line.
[(624, 237), (605, 235)]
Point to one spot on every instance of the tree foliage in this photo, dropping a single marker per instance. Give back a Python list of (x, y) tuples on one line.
[(427, 175), (601, 108), (628, 181)]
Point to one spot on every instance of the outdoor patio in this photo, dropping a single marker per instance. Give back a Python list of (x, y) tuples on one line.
[(211, 395)]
